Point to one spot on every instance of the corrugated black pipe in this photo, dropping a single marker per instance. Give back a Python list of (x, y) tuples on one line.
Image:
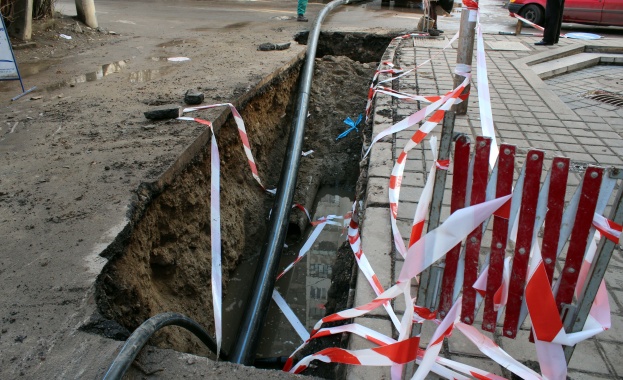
[(264, 281), (141, 335)]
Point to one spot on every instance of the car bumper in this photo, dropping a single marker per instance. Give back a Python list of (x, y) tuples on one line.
[(514, 8)]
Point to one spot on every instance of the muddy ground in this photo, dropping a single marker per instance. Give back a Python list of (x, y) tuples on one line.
[(80, 165)]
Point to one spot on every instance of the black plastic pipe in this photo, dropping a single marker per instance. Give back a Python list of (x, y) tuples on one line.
[(141, 335), (264, 281)]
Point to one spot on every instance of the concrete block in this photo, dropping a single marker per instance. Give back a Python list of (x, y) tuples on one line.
[(169, 111), (377, 192), (377, 246), (380, 160)]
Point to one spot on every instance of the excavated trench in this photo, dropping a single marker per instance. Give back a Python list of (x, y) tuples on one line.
[(162, 262)]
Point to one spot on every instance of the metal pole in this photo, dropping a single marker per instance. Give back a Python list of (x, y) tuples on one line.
[(264, 281), (465, 54), (578, 315), (430, 279)]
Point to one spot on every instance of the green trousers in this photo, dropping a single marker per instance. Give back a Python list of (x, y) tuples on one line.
[(302, 7)]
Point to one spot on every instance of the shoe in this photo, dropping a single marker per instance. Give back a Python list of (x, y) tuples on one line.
[(543, 43), (302, 18)]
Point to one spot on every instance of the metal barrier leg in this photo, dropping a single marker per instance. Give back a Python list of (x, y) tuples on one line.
[(577, 316)]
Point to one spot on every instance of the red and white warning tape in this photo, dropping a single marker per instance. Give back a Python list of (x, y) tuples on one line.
[(216, 280), (320, 225), (400, 73), (608, 228), (243, 136)]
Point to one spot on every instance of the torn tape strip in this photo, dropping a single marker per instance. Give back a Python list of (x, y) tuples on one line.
[(398, 169), (396, 353), (306, 247), (608, 228), (215, 242), (419, 115), (354, 239), (289, 314), (462, 68), (484, 97), (372, 90)]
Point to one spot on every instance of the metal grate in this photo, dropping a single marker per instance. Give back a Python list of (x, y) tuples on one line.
[(605, 97)]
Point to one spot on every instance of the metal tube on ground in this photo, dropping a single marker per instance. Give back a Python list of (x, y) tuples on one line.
[(264, 281), (144, 332)]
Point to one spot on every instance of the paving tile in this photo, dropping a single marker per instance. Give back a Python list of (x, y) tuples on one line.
[(587, 357), (608, 159), (614, 351), (571, 147)]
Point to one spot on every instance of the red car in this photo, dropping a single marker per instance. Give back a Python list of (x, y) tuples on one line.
[(592, 12)]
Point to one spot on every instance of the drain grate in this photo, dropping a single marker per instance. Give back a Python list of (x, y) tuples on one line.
[(605, 97)]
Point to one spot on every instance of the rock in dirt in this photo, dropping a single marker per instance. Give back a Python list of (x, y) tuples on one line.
[(282, 46), (268, 46), (193, 97), (167, 111)]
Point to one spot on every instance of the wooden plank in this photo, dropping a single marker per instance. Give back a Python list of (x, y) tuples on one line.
[(459, 191), (525, 234), (474, 239), (506, 169), (579, 235)]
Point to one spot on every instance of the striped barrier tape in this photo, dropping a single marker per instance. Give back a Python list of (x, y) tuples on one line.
[(535, 26), (243, 137), (442, 366), (419, 116), (216, 279), (398, 169), (608, 228), (354, 239), (373, 88), (484, 96), (290, 316), (310, 241), (438, 242)]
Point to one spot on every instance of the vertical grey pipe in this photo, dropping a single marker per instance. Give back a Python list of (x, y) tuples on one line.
[(264, 281)]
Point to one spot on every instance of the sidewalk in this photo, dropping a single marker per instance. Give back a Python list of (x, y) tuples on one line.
[(551, 115)]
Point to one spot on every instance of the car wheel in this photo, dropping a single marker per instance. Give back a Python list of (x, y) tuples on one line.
[(533, 13)]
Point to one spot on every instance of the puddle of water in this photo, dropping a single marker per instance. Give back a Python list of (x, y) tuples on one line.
[(100, 73), (149, 74), (304, 288)]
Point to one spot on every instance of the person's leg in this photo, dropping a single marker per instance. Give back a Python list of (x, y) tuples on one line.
[(300, 10), (551, 23), (561, 9)]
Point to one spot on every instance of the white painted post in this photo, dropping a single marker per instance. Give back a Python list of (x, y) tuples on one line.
[(86, 12), (22, 26)]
